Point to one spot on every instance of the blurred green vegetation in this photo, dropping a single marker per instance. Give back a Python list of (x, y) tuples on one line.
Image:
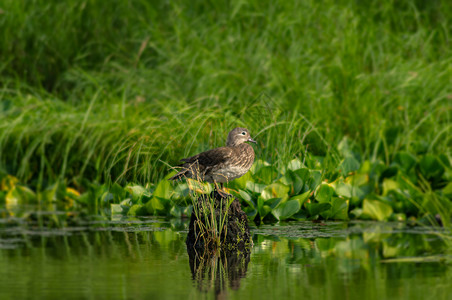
[(97, 93)]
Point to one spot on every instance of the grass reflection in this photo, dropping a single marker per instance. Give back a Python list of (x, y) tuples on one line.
[(147, 258)]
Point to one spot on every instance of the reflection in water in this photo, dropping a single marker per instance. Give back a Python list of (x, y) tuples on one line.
[(218, 270), (147, 259)]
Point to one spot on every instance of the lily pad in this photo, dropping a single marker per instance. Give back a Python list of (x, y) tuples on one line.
[(137, 210), (158, 205), (247, 198), (255, 187), (324, 193), (241, 183), (265, 206), (163, 189), (389, 185), (251, 213), (262, 208), (315, 177), (275, 190), (376, 210), (291, 179), (294, 164), (117, 209), (286, 210), (357, 179), (137, 192), (19, 195), (301, 198), (314, 209), (338, 210)]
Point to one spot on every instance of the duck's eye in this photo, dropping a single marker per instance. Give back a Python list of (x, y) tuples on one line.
[(243, 133)]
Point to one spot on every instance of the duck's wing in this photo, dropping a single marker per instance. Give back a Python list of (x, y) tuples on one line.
[(199, 164), (211, 157)]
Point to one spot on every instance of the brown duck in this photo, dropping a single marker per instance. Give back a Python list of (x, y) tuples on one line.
[(221, 164)]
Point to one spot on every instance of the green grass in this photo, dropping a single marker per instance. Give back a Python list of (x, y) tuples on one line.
[(118, 91)]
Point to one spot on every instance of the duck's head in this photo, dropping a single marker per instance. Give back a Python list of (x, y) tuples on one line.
[(238, 136)]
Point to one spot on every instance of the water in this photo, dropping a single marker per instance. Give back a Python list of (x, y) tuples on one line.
[(147, 259)]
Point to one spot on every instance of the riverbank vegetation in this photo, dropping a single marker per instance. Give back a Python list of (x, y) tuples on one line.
[(349, 102)]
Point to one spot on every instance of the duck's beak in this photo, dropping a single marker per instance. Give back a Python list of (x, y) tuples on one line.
[(251, 140)]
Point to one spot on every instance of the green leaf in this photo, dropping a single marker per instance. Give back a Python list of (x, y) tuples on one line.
[(137, 192), (301, 198), (292, 180), (118, 192), (447, 190), (250, 212), (431, 167), (247, 198), (344, 190), (273, 202), (158, 205), (49, 194), (107, 197), (444, 159), (294, 164), (338, 210), (344, 146), (389, 185), (137, 210), (286, 210), (357, 179), (181, 191), (8, 182), (262, 208), (126, 202), (354, 187), (116, 209), (301, 215), (275, 190), (315, 209), (163, 189), (266, 174), (324, 193), (400, 217), (19, 195), (242, 182), (405, 160), (376, 210), (304, 174), (356, 213), (258, 164), (349, 164), (315, 177), (255, 187)]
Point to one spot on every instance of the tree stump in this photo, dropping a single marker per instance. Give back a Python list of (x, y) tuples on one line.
[(218, 223)]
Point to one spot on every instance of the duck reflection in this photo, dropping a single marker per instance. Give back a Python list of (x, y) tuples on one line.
[(216, 271)]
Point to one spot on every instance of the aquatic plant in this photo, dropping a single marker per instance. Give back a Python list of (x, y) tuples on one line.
[(407, 189)]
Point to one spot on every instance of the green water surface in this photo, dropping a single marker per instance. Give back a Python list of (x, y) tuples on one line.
[(147, 259)]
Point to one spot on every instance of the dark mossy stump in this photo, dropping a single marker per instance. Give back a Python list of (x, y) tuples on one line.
[(218, 223)]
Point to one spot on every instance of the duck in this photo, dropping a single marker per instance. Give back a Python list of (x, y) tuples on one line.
[(220, 165)]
